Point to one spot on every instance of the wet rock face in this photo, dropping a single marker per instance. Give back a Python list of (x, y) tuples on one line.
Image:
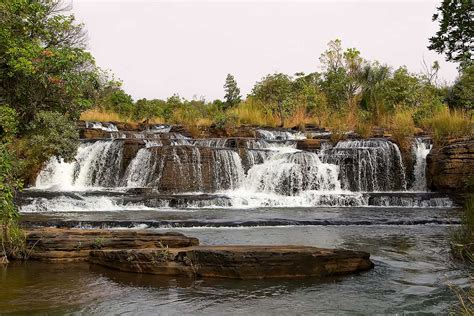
[(237, 262), (449, 168), (55, 244)]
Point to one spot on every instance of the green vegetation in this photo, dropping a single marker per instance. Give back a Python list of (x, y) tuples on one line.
[(47, 79), (351, 93), (462, 243), (456, 31)]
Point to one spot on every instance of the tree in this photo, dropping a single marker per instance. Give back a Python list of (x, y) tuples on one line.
[(232, 92), (43, 62), (461, 95), (148, 109), (275, 91), (342, 71), (373, 77), (455, 36)]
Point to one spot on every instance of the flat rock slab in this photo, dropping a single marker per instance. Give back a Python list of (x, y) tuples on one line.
[(237, 262), (56, 244)]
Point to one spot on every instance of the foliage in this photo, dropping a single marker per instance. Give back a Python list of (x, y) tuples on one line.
[(274, 91), (461, 95), (456, 31), (232, 92), (10, 235), (146, 110), (342, 74), (114, 99), (52, 134), (44, 64)]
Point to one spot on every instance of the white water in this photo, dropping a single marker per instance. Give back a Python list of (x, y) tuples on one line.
[(421, 149), (278, 175), (279, 135), (95, 163), (368, 165), (108, 127)]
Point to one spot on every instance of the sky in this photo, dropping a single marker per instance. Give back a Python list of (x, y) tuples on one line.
[(158, 48)]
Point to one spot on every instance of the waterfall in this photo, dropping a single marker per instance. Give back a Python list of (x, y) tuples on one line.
[(368, 165), (228, 170), (292, 173), (279, 135), (421, 148), (244, 172), (96, 165)]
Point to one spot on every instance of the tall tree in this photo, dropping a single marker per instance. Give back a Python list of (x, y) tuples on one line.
[(43, 62), (232, 92), (455, 36), (275, 90), (342, 71)]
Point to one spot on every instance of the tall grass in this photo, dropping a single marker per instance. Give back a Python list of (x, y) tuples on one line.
[(403, 128), (99, 115), (252, 112), (462, 244), (447, 124)]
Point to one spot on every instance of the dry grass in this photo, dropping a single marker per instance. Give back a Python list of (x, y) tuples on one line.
[(299, 119), (448, 124), (403, 128), (252, 113), (100, 116)]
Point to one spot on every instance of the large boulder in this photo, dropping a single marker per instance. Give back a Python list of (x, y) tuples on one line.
[(449, 168), (237, 262)]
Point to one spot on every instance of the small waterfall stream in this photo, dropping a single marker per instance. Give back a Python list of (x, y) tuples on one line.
[(421, 148)]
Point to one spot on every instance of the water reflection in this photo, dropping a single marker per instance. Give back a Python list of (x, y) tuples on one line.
[(412, 269)]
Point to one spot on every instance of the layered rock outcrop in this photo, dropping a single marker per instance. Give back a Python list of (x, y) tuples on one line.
[(237, 262), (449, 168), (55, 244)]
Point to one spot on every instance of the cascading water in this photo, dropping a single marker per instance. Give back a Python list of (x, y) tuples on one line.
[(421, 148), (279, 135), (96, 165), (368, 165), (246, 172)]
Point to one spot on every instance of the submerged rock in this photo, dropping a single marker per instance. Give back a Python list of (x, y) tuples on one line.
[(237, 262)]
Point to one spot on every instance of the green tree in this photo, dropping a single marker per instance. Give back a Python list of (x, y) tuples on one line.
[(232, 92), (275, 91), (461, 94), (342, 71), (455, 36), (44, 65), (9, 184), (373, 77), (148, 109)]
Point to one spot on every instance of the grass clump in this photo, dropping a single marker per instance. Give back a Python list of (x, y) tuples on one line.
[(462, 244), (448, 124), (403, 128)]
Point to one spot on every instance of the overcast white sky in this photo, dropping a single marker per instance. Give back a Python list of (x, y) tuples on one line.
[(187, 47)]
